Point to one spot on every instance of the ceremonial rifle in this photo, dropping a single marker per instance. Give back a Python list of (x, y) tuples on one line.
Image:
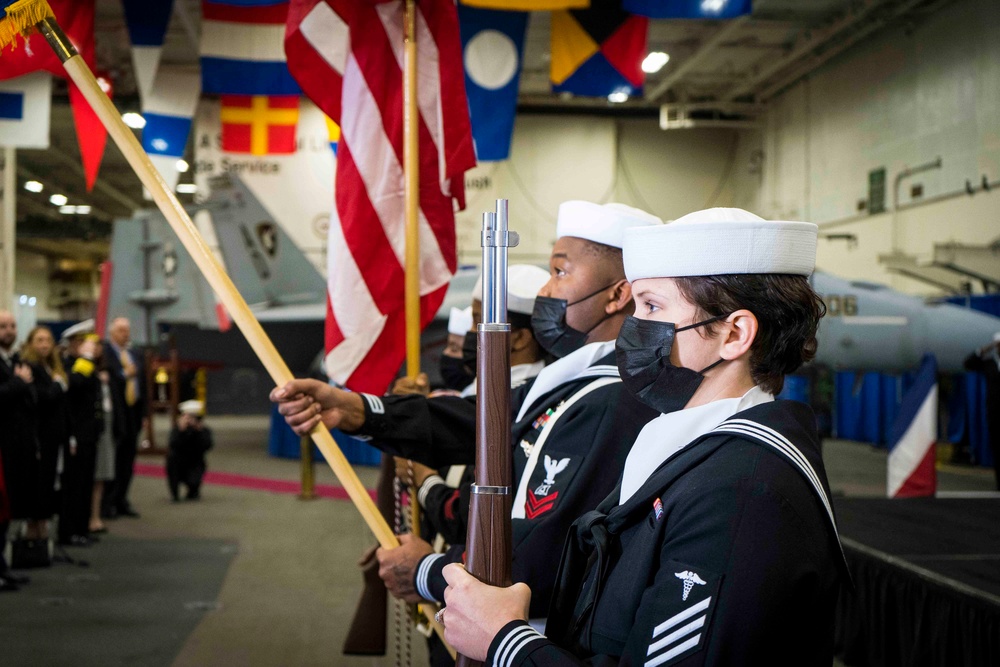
[(488, 545)]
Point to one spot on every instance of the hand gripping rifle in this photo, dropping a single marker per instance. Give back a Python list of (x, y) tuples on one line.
[(488, 545)]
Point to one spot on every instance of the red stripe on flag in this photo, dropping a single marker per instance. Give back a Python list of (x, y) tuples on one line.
[(266, 14), (923, 481)]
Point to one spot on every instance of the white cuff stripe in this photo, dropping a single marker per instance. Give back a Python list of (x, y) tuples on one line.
[(682, 616), (676, 634), (374, 404), (524, 641), (677, 650), (423, 571), (505, 644), (425, 488), (514, 642)]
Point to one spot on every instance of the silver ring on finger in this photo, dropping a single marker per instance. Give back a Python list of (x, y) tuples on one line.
[(439, 617)]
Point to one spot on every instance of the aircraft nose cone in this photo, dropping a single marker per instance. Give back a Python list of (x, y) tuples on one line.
[(955, 333)]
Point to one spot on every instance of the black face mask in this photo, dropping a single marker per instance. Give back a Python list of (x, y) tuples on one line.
[(548, 321), (643, 353), (454, 373)]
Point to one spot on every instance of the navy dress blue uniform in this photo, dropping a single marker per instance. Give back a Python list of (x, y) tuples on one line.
[(727, 555), (592, 437)]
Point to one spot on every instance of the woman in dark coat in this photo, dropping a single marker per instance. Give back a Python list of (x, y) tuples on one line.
[(51, 384)]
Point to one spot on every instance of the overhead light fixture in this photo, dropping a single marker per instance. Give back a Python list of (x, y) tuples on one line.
[(187, 188), (32, 301), (67, 210), (183, 166), (618, 97), (23, 300), (83, 209), (58, 200), (33, 186), (134, 120), (654, 62)]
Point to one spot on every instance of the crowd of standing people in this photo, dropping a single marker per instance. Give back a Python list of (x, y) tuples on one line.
[(72, 414)]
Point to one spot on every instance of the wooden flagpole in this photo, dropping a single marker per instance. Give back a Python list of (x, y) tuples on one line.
[(411, 197)]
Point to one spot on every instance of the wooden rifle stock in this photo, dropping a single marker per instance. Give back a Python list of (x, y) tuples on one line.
[(488, 545)]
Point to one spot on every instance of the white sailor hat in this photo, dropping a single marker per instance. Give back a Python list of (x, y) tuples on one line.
[(996, 337), (192, 407), (523, 283), (720, 241), (600, 223), (460, 321), (78, 329)]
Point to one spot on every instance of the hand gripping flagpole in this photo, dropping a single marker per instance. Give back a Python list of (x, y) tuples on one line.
[(41, 17), (488, 544)]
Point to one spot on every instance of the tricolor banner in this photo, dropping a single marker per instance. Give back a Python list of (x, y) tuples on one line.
[(492, 49), (147, 22), (242, 48), (911, 471), (25, 106), (168, 111)]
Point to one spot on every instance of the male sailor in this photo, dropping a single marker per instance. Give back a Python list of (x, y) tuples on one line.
[(572, 424), (719, 547), (445, 497)]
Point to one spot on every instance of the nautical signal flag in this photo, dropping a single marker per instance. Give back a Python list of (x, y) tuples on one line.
[(259, 124), (598, 51), (689, 9), (25, 106), (911, 470), (168, 110), (147, 22), (492, 49), (242, 48)]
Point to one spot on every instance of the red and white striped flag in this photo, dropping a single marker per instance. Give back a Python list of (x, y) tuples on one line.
[(347, 56)]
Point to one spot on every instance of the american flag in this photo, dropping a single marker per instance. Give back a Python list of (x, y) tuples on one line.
[(347, 56)]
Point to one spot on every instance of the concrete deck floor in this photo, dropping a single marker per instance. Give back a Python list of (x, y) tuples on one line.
[(248, 577)]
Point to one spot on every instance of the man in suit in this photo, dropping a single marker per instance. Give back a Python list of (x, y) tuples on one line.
[(125, 368)]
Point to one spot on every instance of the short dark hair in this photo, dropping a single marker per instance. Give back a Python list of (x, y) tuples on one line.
[(609, 254), (787, 311)]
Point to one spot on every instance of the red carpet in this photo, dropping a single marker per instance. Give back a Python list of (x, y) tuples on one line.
[(251, 482)]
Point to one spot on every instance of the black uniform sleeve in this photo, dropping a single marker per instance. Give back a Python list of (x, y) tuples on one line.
[(446, 508), (436, 431), (519, 644), (429, 579)]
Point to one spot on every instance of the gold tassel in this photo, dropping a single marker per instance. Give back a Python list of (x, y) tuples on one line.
[(22, 17)]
